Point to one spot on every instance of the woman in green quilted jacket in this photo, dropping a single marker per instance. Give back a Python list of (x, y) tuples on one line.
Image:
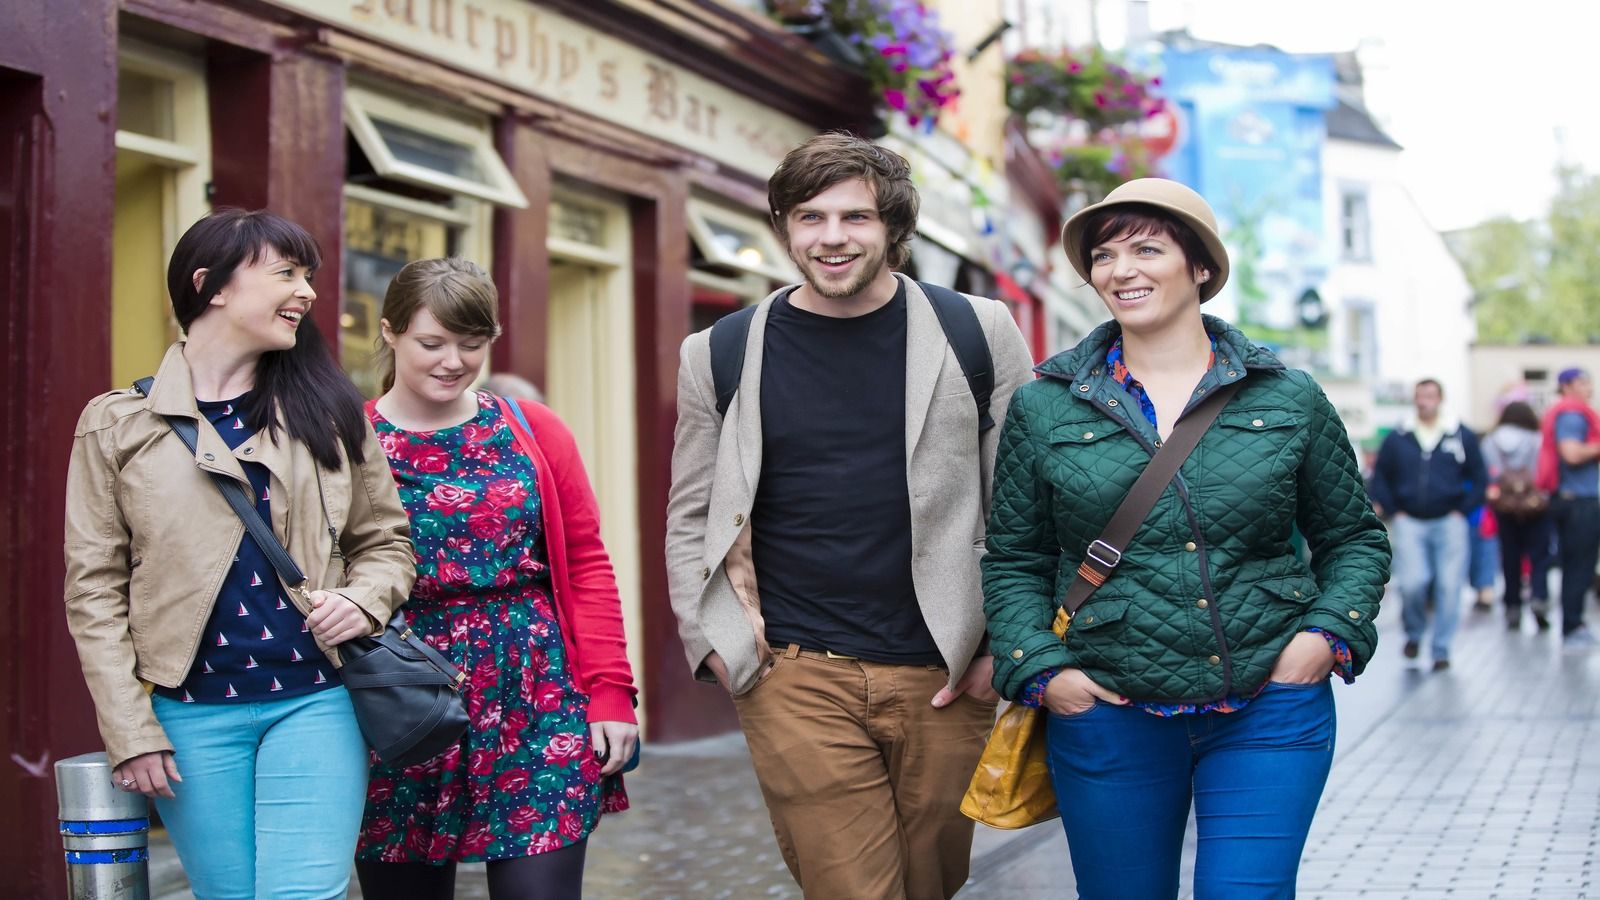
[(1199, 672)]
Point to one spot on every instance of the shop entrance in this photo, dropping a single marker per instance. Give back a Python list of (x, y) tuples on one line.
[(589, 374)]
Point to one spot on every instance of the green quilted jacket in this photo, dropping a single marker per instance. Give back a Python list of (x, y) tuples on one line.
[(1211, 589)]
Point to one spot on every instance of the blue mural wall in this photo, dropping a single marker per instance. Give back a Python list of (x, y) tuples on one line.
[(1251, 137)]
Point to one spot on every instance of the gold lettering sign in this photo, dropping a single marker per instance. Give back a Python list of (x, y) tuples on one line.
[(550, 56)]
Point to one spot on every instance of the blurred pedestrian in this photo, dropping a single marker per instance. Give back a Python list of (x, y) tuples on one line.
[(1511, 455), (1199, 673), (1569, 469), (215, 684), (1429, 477), (510, 384), (822, 556), (515, 587)]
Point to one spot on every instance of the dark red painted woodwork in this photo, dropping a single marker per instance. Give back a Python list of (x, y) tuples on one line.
[(521, 267), (57, 120)]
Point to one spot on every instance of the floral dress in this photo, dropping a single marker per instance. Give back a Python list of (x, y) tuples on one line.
[(524, 780)]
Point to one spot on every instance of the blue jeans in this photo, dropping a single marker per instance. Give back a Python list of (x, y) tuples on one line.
[(1430, 551), (1125, 778), (1483, 554), (271, 797)]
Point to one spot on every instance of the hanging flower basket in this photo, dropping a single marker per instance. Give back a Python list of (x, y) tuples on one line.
[(1088, 84), (903, 51), (1096, 169)]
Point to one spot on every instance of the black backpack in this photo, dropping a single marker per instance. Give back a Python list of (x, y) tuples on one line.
[(961, 329)]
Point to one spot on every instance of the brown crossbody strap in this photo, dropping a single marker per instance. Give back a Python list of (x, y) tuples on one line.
[(1105, 552)]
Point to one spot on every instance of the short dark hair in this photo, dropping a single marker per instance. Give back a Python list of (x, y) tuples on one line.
[(1427, 381), (1129, 219), (1519, 415), (835, 156)]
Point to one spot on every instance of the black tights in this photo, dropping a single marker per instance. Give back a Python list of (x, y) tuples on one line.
[(555, 875)]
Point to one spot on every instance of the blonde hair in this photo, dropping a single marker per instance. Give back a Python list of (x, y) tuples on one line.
[(457, 292)]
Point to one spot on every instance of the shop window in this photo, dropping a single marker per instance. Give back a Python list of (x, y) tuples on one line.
[(163, 166), (735, 260), (738, 242), (406, 143), (420, 182)]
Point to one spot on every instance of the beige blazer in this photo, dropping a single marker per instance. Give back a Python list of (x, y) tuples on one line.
[(716, 465)]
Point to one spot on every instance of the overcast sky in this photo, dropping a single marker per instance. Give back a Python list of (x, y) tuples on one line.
[(1483, 102)]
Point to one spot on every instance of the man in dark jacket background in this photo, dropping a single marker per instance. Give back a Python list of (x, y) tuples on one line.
[(1428, 477)]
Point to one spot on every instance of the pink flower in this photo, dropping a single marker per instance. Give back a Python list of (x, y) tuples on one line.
[(431, 460), (454, 573), (449, 498), (521, 819), (546, 841), (486, 522), (482, 762), (571, 826), (547, 696), (565, 748), (506, 492), (380, 789), (477, 839), (379, 830), (512, 780), (895, 99)]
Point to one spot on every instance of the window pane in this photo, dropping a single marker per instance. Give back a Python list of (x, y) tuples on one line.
[(144, 104), (577, 222), (421, 149), (378, 241)]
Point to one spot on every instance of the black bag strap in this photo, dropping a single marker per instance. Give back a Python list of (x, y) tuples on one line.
[(728, 337), (961, 329), (234, 493), (965, 334), (1105, 552)]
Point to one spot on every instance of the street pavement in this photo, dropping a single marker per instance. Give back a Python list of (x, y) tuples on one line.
[(1479, 782)]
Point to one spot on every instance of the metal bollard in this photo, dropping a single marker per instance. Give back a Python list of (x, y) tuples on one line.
[(105, 832)]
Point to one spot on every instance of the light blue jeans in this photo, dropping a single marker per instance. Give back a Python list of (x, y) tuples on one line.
[(1430, 552), (271, 798)]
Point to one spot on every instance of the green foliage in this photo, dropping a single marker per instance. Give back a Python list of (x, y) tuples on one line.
[(1089, 84), (1538, 280)]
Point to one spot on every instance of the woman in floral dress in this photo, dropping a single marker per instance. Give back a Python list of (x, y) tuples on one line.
[(515, 587)]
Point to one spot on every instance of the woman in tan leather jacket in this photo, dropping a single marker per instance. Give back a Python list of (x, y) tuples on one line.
[(215, 686)]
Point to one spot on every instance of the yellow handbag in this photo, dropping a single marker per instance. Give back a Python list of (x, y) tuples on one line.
[(1011, 787)]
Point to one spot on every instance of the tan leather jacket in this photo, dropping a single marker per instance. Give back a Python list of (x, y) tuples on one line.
[(149, 540)]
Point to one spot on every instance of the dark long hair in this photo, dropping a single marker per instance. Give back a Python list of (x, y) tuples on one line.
[(301, 390), (1519, 415)]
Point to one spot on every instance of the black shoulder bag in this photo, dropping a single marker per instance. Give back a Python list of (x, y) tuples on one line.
[(407, 696)]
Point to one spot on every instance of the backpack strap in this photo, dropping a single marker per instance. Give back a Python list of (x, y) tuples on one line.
[(728, 337), (956, 317), (965, 334)]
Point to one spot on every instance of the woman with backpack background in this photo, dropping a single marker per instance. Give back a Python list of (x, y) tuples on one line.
[(1510, 453)]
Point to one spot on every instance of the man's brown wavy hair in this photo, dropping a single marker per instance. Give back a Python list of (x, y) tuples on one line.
[(829, 158)]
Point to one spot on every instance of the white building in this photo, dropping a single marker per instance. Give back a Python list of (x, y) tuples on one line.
[(1397, 300)]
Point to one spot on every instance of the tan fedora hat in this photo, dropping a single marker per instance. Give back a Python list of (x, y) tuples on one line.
[(1168, 196)]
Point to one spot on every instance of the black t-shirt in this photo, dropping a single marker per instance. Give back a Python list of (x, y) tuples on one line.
[(831, 530)]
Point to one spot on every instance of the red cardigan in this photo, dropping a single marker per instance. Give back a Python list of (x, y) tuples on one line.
[(581, 577)]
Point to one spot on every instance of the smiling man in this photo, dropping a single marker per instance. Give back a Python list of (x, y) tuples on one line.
[(830, 484)]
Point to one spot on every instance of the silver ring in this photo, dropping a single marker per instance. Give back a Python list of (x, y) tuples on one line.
[(127, 782)]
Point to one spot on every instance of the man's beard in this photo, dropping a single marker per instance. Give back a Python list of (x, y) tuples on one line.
[(850, 288)]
